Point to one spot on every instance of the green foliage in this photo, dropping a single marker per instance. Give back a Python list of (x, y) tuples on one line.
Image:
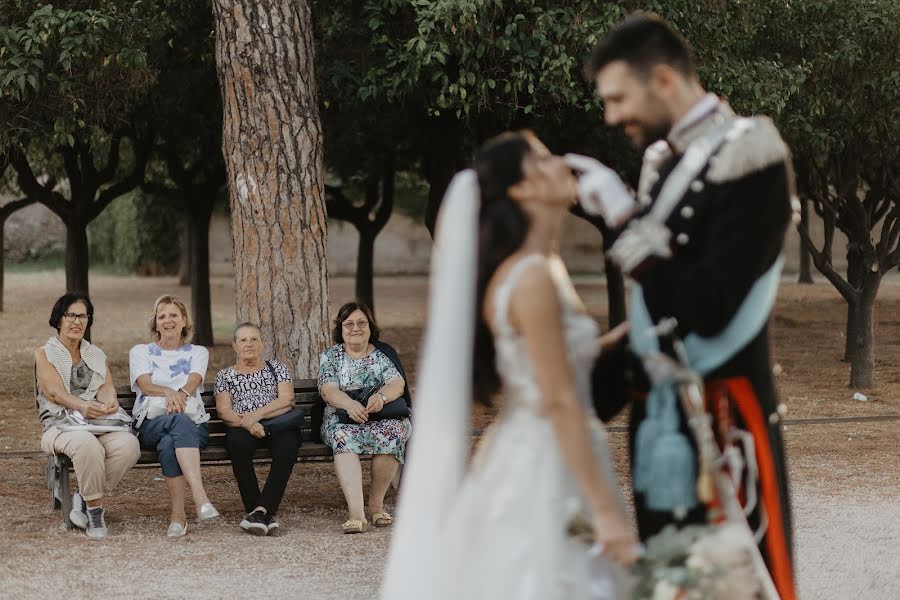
[(66, 70), (411, 189), (473, 56), (136, 234)]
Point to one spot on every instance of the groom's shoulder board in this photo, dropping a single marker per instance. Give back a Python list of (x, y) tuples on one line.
[(752, 144)]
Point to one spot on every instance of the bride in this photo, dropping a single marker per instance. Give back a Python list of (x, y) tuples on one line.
[(503, 315)]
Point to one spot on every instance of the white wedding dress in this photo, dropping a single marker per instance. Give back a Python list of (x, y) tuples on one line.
[(506, 535)]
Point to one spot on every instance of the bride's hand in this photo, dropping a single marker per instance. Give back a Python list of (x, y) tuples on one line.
[(613, 336), (616, 537)]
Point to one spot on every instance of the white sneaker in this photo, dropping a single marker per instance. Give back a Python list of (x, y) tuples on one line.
[(176, 530), (78, 514), (96, 527), (207, 512)]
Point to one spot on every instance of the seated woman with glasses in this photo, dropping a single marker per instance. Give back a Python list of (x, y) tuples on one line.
[(359, 360), (73, 374)]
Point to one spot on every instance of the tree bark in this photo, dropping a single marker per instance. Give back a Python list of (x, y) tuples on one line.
[(272, 144), (185, 260), (615, 294), (201, 305), (365, 270), (77, 257), (854, 278), (805, 258), (444, 160), (862, 365)]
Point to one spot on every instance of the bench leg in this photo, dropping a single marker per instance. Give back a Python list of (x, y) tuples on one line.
[(65, 492), (61, 492), (53, 482)]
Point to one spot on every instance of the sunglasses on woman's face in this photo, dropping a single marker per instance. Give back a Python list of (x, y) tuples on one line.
[(349, 325)]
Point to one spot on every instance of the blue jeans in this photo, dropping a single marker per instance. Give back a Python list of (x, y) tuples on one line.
[(168, 432)]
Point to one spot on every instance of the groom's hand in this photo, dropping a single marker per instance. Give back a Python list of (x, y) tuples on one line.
[(642, 240), (601, 191)]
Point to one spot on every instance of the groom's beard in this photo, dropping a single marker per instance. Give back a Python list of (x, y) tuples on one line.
[(642, 134)]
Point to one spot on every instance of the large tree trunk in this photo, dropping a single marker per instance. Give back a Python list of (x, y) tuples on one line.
[(272, 143), (862, 366), (615, 294), (365, 270), (185, 260), (201, 306), (805, 258), (76, 255)]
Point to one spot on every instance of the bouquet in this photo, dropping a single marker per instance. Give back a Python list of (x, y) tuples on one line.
[(708, 562)]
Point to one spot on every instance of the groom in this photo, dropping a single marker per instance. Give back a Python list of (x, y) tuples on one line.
[(702, 242)]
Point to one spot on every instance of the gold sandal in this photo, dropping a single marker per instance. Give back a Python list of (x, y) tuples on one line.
[(354, 526), (382, 519)]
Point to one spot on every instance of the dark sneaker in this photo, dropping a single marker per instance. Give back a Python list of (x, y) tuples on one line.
[(96, 527), (78, 515), (272, 524), (255, 523)]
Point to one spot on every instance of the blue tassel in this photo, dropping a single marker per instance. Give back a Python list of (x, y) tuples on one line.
[(672, 474), (644, 442), (664, 467)]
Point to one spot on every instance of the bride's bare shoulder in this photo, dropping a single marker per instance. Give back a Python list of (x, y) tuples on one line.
[(533, 278)]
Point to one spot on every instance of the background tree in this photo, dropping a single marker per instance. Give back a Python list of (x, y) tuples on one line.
[(184, 108), (847, 147), (430, 81), (828, 71), (6, 210), (272, 141), (68, 78)]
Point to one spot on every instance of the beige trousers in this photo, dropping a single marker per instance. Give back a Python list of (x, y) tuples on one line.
[(100, 461)]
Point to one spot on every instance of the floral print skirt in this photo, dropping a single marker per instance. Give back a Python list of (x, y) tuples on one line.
[(388, 436)]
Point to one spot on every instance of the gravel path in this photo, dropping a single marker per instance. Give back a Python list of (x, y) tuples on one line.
[(846, 548)]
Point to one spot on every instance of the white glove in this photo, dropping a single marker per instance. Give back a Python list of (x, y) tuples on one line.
[(642, 239), (601, 191)]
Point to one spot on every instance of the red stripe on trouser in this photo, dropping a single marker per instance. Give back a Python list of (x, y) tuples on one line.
[(776, 539)]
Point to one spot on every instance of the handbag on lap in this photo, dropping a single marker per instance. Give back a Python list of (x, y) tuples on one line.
[(392, 410), (292, 419)]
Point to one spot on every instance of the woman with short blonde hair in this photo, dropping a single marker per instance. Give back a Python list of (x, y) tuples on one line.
[(167, 376)]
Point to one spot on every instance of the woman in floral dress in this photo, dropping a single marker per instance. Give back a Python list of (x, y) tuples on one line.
[(359, 360)]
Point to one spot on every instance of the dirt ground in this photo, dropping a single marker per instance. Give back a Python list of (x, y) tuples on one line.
[(846, 478)]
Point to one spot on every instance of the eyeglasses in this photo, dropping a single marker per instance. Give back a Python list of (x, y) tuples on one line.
[(72, 317), (348, 325)]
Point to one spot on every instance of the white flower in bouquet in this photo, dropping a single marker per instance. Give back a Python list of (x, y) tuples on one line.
[(723, 559), (663, 590)]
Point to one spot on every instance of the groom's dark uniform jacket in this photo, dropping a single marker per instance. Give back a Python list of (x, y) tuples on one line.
[(726, 232)]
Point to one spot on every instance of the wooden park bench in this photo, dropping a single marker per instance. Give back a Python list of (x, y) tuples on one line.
[(306, 394)]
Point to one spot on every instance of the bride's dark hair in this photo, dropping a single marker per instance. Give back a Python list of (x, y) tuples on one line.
[(502, 228)]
